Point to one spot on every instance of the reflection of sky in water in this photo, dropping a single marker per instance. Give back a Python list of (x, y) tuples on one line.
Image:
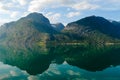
[(11, 73), (59, 72)]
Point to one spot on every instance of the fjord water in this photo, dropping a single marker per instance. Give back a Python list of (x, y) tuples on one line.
[(60, 62)]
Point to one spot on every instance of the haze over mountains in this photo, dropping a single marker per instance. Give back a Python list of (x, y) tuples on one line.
[(58, 26), (36, 28)]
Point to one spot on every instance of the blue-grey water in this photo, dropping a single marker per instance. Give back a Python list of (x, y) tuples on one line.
[(62, 62), (59, 72)]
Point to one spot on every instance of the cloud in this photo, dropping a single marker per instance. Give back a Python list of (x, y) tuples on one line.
[(111, 5), (33, 78), (73, 14), (53, 17), (84, 6), (3, 8), (4, 76), (72, 73), (13, 73), (37, 5), (22, 2), (8, 72), (3, 66), (14, 14), (10, 9)]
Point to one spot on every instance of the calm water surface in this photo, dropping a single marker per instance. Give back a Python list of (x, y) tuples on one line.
[(62, 62)]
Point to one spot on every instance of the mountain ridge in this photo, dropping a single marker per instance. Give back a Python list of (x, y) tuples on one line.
[(26, 31), (35, 27), (96, 26)]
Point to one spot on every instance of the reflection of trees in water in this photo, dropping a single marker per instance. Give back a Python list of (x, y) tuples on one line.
[(34, 61), (92, 58), (37, 59)]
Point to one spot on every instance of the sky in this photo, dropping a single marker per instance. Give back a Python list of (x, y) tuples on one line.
[(64, 11)]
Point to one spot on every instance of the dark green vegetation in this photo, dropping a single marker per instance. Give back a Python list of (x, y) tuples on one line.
[(91, 57), (33, 61), (26, 31), (37, 60), (32, 43), (94, 29), (35, 28)]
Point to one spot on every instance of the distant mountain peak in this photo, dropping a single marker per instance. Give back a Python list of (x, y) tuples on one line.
[(94, 17), (94, 24), (38, 17), (58, 26), (34, 14), (91, 16), (93, 20)]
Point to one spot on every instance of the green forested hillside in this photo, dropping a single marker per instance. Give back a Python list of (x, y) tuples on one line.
[(94, 29), (26, 31), (37, 29)]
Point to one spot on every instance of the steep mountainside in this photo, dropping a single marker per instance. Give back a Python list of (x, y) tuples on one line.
[(94, 28), (26, 31), (19, 43), (35, 28)]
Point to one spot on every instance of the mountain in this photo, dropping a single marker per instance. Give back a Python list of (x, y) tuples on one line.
[(35, 28), (58, 26), (94, 28), (115, 23), (24, 43), (27, 31)]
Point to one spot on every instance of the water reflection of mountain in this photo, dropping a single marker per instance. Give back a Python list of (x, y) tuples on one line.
[(59, 72), (34, 61), (37, 59), (92, 58)]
